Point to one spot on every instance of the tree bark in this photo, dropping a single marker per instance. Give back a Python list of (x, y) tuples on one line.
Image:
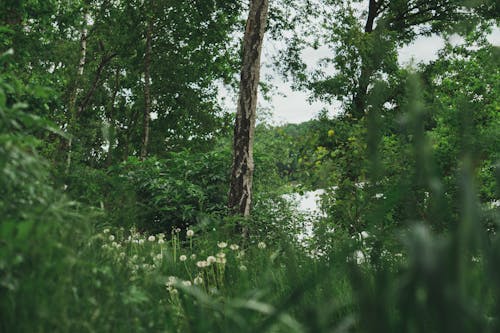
[(359, 98), (240, 192), (76, 91), (147, 92)]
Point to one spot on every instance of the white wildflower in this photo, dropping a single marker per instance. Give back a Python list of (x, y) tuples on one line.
[(111, 238), (186, 283), (151, 238), (221, 261), (222, 245), (193, 256), (161, 241), (234, 247), (198, 280), (202, 264), (243, 268), (171, 281), (190, 233), (105, 231), (261, 245), (183, 258), (211, 260), (221, 255)]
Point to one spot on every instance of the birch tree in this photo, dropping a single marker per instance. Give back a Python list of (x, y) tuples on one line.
[(240, 192)]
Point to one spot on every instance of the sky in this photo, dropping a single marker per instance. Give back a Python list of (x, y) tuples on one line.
[(290, 106)]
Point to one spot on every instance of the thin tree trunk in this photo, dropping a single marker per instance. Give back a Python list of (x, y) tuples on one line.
[(240, 192), (359, 98), (147, 92), (76, 91), (112, 127), (105, 59)]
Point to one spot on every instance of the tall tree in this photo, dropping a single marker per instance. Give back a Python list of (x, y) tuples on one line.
[(240, 192), (147, 90)]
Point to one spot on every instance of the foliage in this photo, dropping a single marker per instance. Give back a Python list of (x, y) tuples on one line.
[(408, 241)]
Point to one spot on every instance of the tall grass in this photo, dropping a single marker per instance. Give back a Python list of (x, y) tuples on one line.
[(63, 270)]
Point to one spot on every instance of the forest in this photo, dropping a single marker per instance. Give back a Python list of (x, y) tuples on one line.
[(145, 187)]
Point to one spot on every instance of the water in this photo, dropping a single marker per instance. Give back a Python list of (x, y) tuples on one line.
[(308, 204)]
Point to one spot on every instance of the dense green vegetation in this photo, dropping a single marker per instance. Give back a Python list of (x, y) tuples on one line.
[(103, 231)]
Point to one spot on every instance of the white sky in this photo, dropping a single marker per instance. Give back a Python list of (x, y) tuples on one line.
[(290, 106), (294, 108)]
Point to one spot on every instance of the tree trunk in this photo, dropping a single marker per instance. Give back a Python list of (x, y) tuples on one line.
[(76, 91), (147, 92), (359, 100), (240, 192)]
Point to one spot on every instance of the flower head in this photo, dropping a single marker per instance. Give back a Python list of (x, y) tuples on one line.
[(190, 233), (234, 247), (171, 281), (198, 280), (221, 261), (183, 258), (151, 238), (202, 264), (111, 238), (222, 245), (211, 260), (261, 245)]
